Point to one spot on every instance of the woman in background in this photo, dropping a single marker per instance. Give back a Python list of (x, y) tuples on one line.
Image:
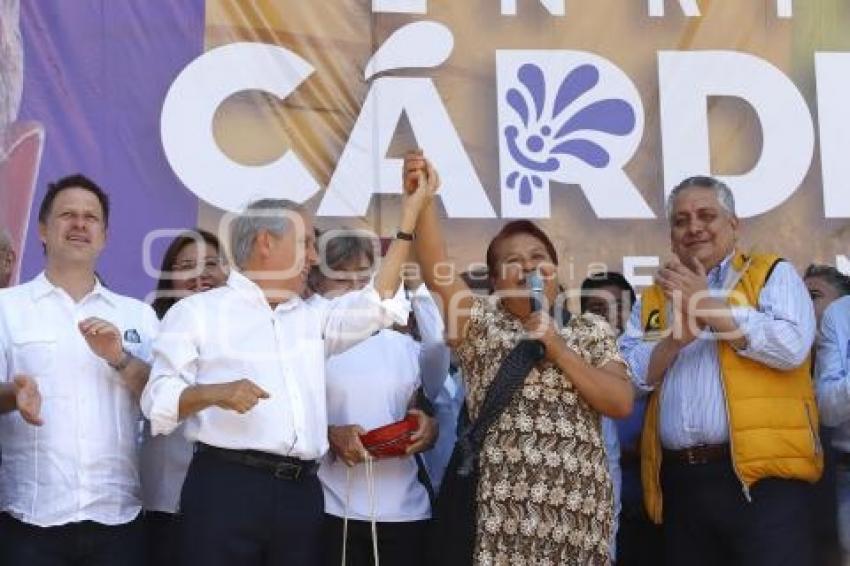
[(193, 263), (371, 385)]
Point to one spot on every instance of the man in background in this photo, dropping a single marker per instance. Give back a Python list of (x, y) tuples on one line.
[(610, 295)]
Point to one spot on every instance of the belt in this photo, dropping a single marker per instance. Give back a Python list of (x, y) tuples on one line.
[(281, 467), (700, 454)]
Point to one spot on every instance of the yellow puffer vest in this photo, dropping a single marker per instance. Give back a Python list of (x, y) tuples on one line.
[(773, 419)]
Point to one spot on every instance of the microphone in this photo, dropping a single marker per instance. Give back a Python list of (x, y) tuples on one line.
[(535, 286), (534, 281)]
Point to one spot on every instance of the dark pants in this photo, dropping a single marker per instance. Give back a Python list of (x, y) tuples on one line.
[(827, 547), (639, 540), (399, 544), (234, 514), (708, 521), (75, 544), (162, 535)]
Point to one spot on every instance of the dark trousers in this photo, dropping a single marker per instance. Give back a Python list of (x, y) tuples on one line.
[(399, 544), (162, 536), (639, 540), (234, 514), (708, 521), (827, 547), (76, 544)]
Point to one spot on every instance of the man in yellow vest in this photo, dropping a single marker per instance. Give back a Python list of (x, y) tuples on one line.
[(721, 342)]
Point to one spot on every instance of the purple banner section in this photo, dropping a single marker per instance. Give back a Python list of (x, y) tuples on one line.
[(95, 75)]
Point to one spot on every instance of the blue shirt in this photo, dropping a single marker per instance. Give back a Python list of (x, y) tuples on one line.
[(779, 332), (612, 453), (629, 430), (831, 371), (447, 406)]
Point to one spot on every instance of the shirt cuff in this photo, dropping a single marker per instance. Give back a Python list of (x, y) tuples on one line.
[(392, 311), (638, 362), (140, 352), (164, 412), (421, 292)]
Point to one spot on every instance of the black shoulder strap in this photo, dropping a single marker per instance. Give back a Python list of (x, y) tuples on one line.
[(772, 267), (509, 379), (425, 478)]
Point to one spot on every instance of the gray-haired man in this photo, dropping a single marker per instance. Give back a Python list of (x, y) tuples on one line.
[(243, 365), (730, 435)]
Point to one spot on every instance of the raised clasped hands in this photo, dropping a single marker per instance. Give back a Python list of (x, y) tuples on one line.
[(686, 288), (420, 180)]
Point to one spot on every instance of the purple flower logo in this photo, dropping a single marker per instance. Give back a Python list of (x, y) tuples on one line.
[(544, 138)]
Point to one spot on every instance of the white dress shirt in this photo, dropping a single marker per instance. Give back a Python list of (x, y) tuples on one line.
[(232, 333), (832, 371), (371, 385), (779, 331), (82, 463)]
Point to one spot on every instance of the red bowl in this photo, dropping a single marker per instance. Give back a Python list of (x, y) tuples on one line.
[(390, 440)]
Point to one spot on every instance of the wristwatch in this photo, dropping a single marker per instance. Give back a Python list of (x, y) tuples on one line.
[(402, 235), (123, 362)]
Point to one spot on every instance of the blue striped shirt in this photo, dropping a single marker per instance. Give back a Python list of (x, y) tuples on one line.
[(779, 332), (831, 372)]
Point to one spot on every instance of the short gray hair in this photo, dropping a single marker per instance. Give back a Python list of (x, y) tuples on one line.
[(272, 215), (337, 248), (340, 249), (839, 281), (721, 191)]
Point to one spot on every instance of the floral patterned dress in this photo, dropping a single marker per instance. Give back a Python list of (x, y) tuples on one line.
[(544, 495)]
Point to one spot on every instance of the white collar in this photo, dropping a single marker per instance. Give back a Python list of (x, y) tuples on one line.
[(42, 287), (253, 292)]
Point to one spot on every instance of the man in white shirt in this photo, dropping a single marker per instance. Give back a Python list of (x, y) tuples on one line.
[(71, 372), (244, 365)]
